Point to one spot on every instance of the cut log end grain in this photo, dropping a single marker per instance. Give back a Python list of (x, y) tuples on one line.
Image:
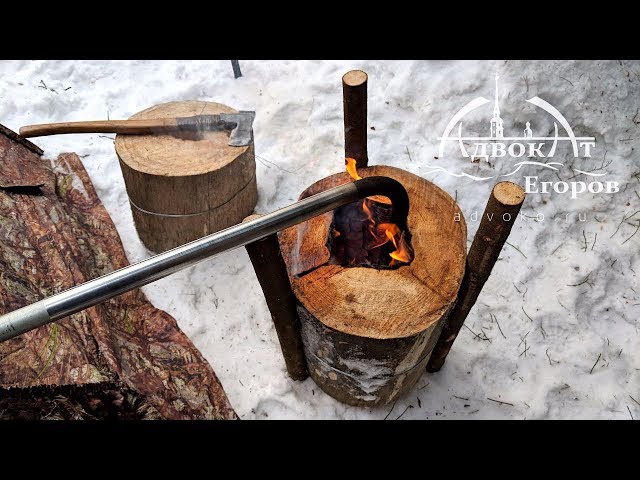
[(373, 303), (354, 78), (508, 193), (177, 155)]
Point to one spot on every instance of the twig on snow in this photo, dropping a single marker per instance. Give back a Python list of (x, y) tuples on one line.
[(405, 411), (499, 328), (624, 219), (522, 338), (567, 80), (527, 314), (557, 248), (520, 251), (585, 280), (551, 361), (392, 407), (478, 336), (594, 365), (637, 228)]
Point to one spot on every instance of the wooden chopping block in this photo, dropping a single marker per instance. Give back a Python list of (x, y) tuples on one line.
[(183, 186)]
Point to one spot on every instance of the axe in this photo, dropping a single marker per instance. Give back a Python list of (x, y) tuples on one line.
[(240, 125)]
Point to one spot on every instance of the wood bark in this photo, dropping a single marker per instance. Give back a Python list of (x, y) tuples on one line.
[(499, 216), (354, 93), (368, 333), (121, 359), (271, 271), (182, 188)]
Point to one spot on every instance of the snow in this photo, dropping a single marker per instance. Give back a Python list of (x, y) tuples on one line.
[(299, 139)]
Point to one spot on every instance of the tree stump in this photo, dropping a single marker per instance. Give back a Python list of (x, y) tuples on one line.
[(183, 187), (368, 333)]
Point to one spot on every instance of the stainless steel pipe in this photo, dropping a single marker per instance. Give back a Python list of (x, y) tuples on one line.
[(154, 268)]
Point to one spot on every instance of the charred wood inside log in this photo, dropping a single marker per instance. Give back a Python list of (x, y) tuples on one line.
[(362, 235)]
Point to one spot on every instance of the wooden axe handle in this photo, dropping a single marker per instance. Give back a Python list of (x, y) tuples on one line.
[(139, 127)]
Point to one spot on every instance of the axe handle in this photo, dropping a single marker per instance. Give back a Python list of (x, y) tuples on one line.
[(139, 127)]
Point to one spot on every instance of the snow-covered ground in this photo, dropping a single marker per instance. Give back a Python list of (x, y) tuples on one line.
[(565, 351)]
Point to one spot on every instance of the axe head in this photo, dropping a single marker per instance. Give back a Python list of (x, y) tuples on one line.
[(242, 133), (240, 124)]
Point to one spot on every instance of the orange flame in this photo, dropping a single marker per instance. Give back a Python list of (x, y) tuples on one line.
[(351, 168), (379, 239), (401, 252), (353, 171), (391, 230)]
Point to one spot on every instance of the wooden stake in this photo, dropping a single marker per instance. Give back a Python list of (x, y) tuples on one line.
[(271, 271), (498, 218), (354, 94)]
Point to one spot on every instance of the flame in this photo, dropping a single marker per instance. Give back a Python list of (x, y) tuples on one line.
[(379, 232), (401, 253), (353, 171), (379, 240), (388, 232), (351, 168)]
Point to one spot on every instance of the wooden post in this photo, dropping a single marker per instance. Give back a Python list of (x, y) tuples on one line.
[(271, 271), (235, 64), (354, 95), (498, 218)]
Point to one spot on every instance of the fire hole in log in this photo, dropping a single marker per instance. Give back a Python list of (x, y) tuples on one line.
[(362, 235)]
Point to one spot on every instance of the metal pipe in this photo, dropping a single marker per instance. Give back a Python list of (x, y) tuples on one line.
[(154, 268)]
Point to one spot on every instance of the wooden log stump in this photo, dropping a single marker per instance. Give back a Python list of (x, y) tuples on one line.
[(184, 187), (368, 333)]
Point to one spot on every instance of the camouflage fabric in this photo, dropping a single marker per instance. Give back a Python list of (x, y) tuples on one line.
[(121, 359)]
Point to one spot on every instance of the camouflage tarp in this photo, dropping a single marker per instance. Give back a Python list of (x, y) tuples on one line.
[(121, 359)]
